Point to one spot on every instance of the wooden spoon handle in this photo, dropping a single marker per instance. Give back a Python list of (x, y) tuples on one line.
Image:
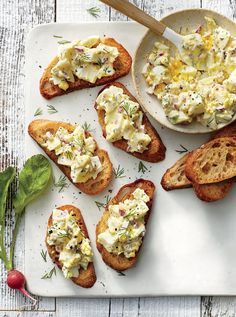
[(136, 14)]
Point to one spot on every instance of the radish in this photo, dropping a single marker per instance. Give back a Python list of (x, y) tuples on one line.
[(16, 280)]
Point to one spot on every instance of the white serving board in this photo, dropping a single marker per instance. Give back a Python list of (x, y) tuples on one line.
[(190, 246)]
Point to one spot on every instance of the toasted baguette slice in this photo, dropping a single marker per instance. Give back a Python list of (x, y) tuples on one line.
[(156, 150), (174, 177), (229, 130), (121, 65), (120, 262), (86, 278), (37, 130), (213, 162), (213, 192)]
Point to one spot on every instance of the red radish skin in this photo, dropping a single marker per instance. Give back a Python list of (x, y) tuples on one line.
[(16, 280)]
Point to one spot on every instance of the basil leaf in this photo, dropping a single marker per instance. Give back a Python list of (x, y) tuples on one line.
[(33, 180)]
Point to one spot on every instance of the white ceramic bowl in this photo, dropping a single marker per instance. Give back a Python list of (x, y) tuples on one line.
[(183, 22)]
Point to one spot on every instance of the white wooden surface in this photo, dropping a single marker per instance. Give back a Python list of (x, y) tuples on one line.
[(16, 18)]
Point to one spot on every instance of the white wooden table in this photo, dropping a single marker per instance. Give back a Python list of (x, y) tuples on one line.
[(17, 17)]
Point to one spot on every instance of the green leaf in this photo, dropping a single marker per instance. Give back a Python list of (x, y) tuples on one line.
[(94, 11), (33, 180), (6, 177)]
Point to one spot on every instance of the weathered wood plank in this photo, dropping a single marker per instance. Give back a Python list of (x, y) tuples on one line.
[(16, 18), (163, 7), (170, 307), (76, 11)]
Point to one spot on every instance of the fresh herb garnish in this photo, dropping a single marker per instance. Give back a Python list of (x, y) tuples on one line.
[(182, 149), (82, 57), (63, 42), (119, 172), (63, 235), (44, 255), (129, 110), (120, 273), (142, 168), (100, 61), (61, 183), (51, 109), (94, 11), (49, 274), (103, 204), (38, 112), (58, 36), (87, 127), (69, 155)]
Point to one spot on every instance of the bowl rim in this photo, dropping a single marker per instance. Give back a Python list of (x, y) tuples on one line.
[(177, 127)]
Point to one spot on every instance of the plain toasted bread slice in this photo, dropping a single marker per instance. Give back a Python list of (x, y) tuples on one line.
[(121, 65), (120, 262), (213, 162), (213, 192), (37, 130), (174, 177), (87, 277), (156, 150)]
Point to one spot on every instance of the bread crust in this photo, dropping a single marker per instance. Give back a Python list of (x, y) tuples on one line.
[(156, 150), (215, 155), (87, 277), (213, 192), (38, 128), (174, 177), (121, 65), (120, 262)]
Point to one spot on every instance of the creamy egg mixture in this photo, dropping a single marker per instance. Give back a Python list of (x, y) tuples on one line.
[(75, 150), (126, 226), (74, 248), (123, 119), (86, 59), (185, 92)]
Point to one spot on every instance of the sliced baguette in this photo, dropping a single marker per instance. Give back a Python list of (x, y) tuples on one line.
[(121, 65), (37, 130), (156, 150), (174, 177), (229, 130), (120, 262), (213, 192), (213, 162), (87, 277)]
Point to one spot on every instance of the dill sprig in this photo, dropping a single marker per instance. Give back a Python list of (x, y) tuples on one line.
[(49, 274), (51, 109), (94, 11), (38, 112), (44, 255), (64, 235), (129, 110), (61, 183), (120, 273), (87, 127), (142, 168), (100, 204), (182, 149), (119, 172), (82, 57), (63, 42)]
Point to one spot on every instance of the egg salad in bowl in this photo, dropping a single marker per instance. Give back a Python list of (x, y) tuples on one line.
[(204, 92)]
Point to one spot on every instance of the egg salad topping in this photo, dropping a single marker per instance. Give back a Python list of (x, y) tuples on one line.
[(187, 93), (85, 59), (123, 119), (126, 226), (75, 150), (74, 248)]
